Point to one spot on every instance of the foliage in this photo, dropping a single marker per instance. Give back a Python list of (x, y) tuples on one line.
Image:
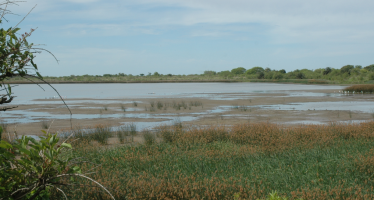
[(16, 57), (255, 70), (239, 70), (247, 161), (347, 69), (29, 166)]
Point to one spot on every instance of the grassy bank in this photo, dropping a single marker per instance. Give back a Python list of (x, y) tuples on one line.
[(247, 161)]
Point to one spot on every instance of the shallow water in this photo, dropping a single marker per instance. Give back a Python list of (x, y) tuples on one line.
[(355, 106), (113, 93), (25, 93)]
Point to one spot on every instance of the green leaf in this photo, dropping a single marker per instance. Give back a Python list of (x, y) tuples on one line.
[(25, 151), (66, 145), (37, 73), (5, 145)]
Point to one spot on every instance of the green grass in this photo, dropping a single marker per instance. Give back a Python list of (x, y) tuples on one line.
[(322, 168), (337, 166)]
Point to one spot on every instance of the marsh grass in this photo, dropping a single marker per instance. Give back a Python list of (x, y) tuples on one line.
[(123, 108), (135, 103), (243, 108), (195, 103), (44, 124), (159, 105), (152, 103), (367, 88), (250, 160), (149, 138)]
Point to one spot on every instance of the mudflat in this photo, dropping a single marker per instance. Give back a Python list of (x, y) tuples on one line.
[(319, 106)]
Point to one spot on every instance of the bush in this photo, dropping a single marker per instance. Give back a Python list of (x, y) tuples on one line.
[(149, 138)]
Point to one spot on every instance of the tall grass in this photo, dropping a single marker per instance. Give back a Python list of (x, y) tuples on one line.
[(149, 138), (368, 88), (44, 124), (126, 131), (249, 161)]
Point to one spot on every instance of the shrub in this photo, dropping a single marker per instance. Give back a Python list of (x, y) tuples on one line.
[(149, 138)]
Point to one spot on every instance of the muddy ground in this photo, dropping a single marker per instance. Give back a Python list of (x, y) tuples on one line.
[(226, 109)]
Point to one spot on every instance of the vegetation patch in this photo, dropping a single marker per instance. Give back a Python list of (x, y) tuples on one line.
[(246, 161)]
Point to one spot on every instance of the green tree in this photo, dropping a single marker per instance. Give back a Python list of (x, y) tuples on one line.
[(210, 73), (255, 70), (346, 69), (327, 70), (238, 71), (369, 67)]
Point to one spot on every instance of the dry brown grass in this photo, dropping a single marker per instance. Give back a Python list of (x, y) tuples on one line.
[(368, 88)]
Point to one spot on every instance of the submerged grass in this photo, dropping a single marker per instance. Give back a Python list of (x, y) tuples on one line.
[(246, 161)]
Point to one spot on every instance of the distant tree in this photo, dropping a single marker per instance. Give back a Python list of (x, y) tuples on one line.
[(170, 74), (369, 67), (282, 71), (224, 73), (141, 74), (255, 70), (260, 75), (210, 73), (346, 69), (278, 75), (327, 70), (358, 67), (239, 70), (149, 74), (156, 74), (267, 69), (300, 75), (107, 75), (121, 74)]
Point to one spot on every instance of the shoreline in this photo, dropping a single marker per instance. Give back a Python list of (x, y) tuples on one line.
[(286, 81)]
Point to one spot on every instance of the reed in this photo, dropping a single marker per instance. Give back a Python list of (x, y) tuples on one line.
[(101, 133), (367, 88), (44, 124), (123, 108), (149, 138), (159, 105), (122, 134), (246, 161)]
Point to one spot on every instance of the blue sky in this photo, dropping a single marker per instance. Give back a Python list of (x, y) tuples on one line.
[(187, 37)]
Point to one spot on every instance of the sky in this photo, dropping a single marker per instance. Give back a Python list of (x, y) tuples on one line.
[(99, 37)]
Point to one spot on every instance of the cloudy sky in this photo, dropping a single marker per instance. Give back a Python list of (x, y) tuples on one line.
[(190, 36)]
